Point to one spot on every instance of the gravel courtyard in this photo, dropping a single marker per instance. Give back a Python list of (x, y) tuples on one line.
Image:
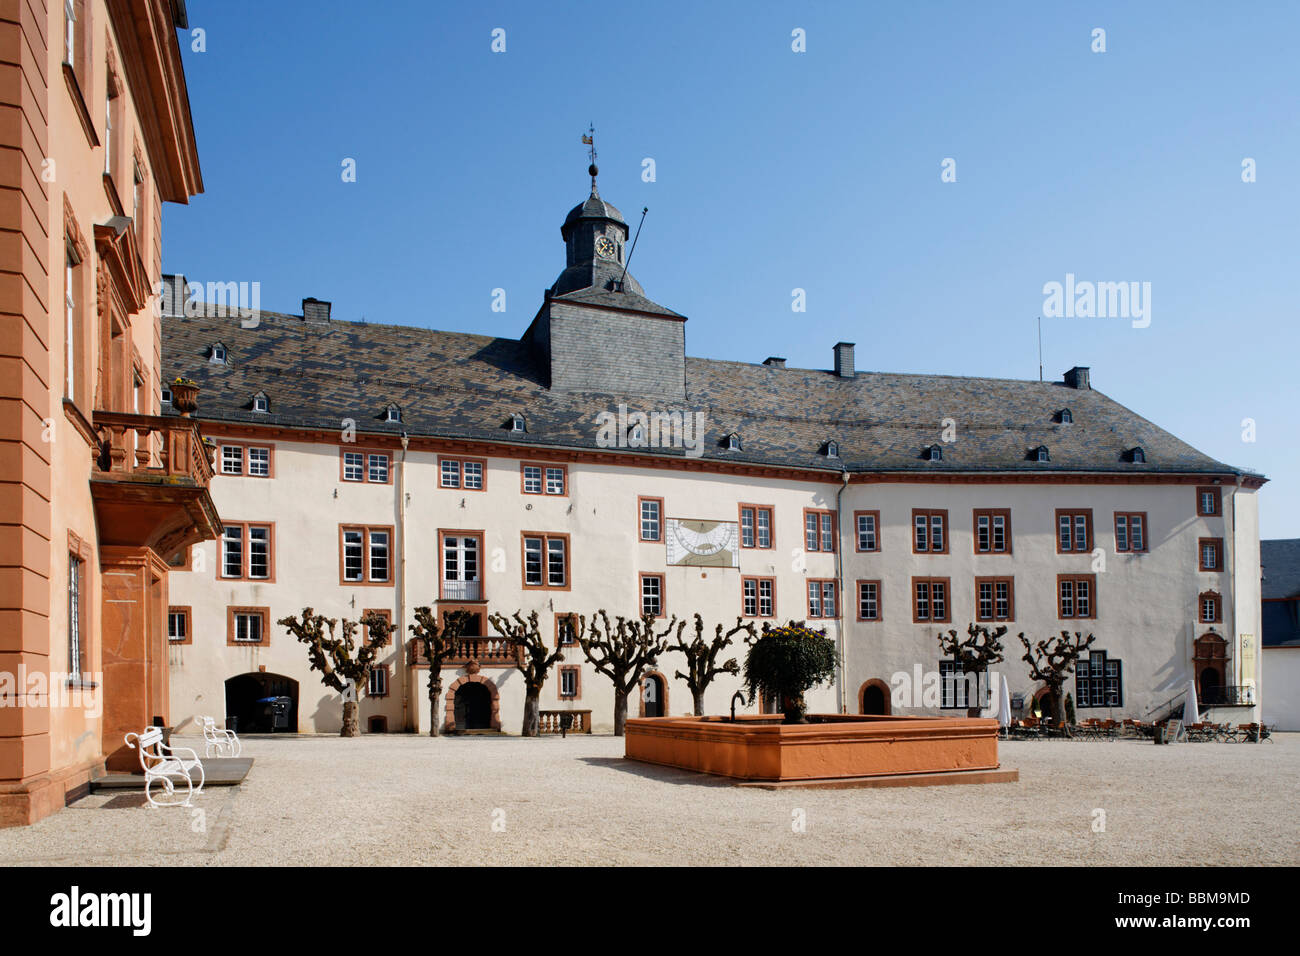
[(408, 800)]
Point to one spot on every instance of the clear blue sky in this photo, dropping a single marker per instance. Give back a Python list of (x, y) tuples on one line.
[(779, 170)]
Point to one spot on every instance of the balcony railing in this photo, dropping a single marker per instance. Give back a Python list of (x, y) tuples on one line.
[(151, 446), (462, 590), (485, 651), (1228, 697), (551, 721)]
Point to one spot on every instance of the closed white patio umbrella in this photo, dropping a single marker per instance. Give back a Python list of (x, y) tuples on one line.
[(1004, 704), (1191, 710)]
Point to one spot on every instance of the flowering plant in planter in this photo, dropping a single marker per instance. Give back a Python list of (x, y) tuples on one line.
[(185, 395), (785, 662)]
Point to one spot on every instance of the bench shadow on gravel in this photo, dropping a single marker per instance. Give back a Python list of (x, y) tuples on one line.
[(650, 771)]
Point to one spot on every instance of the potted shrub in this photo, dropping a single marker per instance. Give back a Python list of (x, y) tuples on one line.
[(785, 662)]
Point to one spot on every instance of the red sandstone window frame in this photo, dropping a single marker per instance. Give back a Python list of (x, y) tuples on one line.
[(186, 613), (1074, 514), (576, 671), (1219, 559), (993, 583), (544, 487), (755, 509), (991, 514), (857, 531), (1075, 580), (1129, 517), (246, 552), (1209, 597), (546, 538), (930, 617), (640, 519), (367, 555), (245, 460), (822, 583), (460, 464), (233, 610), (880, 604), (758, 582), (1201, 492), (929, 514), (822, 538), (365, 453), (641, 578)]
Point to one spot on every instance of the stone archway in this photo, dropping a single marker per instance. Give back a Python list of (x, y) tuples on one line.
[(654, 695), (449, 711), (874, 698)]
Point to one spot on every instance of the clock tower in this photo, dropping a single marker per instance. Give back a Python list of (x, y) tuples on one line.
[(596, 331)]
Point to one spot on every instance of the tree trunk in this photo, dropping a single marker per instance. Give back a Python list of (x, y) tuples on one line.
[(350, 728), (532, 712), (620, 713), (1058, 711), (435, 696), (697, 696)]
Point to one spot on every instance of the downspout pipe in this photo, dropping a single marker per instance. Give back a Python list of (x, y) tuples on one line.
[(839, 583), (400, 642)]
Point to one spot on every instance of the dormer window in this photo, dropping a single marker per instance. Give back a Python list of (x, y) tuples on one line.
[(166, 395), (261, 403), (1040, 454), (516, 424), (393, 414), (217, 354), (636, 435), (733, 442), (1065, 417), (934, 453), (1138, 456), (832, 449)]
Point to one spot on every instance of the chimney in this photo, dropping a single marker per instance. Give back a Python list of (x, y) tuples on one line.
[(173, 295), (844, 359), (773, 362), (315, 312), (1077, 377)]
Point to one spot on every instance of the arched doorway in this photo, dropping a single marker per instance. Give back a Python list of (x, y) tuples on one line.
[(654, 695), (472, 704), (250, 700), (1210, 658), (1044, 702), (873, 698)]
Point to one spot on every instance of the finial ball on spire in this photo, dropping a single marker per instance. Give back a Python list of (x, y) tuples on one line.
[(592, 170)]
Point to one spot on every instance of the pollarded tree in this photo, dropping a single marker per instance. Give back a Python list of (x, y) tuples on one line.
[(1052, 661), (534, 663), (975, 654), (702, 658), (622, 651), (437, 642), (344, 665)]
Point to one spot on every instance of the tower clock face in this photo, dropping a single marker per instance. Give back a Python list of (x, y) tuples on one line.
[(605, 247)]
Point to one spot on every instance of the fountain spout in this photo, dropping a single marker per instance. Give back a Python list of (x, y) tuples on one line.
[(733, 704)]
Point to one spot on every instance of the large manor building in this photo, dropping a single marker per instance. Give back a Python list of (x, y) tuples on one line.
[(592, 464)]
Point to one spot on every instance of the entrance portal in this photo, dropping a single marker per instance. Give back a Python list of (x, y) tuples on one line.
[(255, 701), (875, 698), (653, 696), (473, 707)]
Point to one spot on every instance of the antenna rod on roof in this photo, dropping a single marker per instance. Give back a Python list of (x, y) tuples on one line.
[(1040, 348), (628, 261)]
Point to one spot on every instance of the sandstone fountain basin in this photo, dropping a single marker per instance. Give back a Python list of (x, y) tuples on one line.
[(831, 749)]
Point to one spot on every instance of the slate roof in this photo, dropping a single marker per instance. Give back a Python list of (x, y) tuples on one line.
[(458, 385), (1280, 559)]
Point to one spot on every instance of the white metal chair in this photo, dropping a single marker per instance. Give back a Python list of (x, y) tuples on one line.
[(162, 763), (218, 742)]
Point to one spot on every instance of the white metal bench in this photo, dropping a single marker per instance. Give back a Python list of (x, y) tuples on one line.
[(162, 764), (218, 742)]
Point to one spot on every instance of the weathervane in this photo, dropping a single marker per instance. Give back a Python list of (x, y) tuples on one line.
[(589, 140)]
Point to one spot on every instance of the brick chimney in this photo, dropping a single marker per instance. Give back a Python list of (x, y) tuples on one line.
[(844, 359), (315, 312), (773, 362), (1077, 377)]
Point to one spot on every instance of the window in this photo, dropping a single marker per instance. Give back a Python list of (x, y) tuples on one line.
[(365, 554), (218, 356), (1211, 551), (570, 683), (1040, 454), (995, 599), (1130, 531), (867, 524), (1076, 595), (821, 598), (651, 514), (546, 560), (832, 449), (467, 473), (1073, 531), (756, 526), (1066, 417), (1208, 501), (1138, 456), (377, 686), (1211, 607), (261, 403), (393, 414), (74, 334), (365, 465), (819, 530), (959, 690), (76, 607), (178, 626), (652, 595), (929, 600), (462, 565), (869, 601), (733, 442), (544, 479), (517, 423), (1099, 681), (251, 461), (248, 625), (70, 32), (930, 531), (993, 531), (566, 630), (758, 597), (246, 551), (934, 453)]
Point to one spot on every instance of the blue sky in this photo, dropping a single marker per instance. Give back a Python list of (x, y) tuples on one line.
[(778, 170)]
